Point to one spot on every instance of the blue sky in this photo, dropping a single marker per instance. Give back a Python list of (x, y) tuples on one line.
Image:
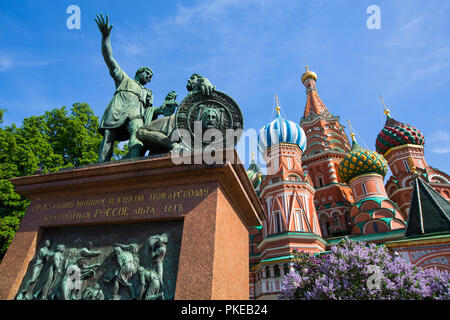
[(249, 50)]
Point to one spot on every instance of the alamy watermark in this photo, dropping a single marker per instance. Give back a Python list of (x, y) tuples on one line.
[(74, 20), (374, 20), (73, 280), (374, 281)]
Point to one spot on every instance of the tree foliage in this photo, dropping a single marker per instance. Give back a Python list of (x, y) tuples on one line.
[(358, 272), (59, 138)]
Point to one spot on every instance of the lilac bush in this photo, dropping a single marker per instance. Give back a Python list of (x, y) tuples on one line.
[(356, 271)]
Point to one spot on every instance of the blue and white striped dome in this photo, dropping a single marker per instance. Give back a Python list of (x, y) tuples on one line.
[(281, 130)]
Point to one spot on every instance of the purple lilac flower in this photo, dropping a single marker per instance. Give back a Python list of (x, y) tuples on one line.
[(344, 274)]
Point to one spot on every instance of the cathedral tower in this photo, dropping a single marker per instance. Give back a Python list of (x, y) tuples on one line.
[(403, 147), (372, 211), (287, 195), (327, 146)]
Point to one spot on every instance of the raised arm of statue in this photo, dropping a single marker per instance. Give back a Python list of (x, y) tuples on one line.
[(105, 29)]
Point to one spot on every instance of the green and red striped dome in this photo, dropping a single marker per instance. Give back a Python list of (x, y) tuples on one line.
[(396, 133), (361, 161)]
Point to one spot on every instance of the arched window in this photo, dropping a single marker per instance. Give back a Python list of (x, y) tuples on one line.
[(336, 220), (298, 218), (319, 180), (276, 271), (323, 221), (286, 268), (364, 188), (277, 223), (267, 272)]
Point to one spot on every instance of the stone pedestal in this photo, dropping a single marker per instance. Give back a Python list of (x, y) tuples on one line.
[(212, 205)]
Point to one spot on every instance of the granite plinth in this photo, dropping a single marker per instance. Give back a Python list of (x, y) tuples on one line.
[(215, 203)]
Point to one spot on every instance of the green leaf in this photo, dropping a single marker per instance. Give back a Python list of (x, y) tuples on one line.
[(59, 138)]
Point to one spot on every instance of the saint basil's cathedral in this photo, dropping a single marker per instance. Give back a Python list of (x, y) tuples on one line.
[(321, 187)]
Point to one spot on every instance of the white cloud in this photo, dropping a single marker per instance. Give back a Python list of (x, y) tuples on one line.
[(204, 10), (128, 45), (415, 46), (440, 142), (407, 33), (441, 150), (440, 135), (415, 23), (7, 62), (131, 49), (434, 62)]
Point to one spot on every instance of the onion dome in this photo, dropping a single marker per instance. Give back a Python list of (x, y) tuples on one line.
[(281, 130), (254, 173), (361, 161), (396, 133), (309, 75)]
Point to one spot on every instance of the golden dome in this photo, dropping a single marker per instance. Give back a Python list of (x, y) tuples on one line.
[(309, 75)]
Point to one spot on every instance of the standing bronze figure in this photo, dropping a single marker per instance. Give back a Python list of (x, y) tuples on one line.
[(125, 112)]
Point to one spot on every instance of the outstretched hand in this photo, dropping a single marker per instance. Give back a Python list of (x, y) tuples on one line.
[(103, 25), (206, 86)]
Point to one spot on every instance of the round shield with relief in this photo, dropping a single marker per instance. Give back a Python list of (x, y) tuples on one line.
[(215, 120)]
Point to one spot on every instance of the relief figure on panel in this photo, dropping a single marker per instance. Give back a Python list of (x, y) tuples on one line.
[(41, 260), (151, 280)]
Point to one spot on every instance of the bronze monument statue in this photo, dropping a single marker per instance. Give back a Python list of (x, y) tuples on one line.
[(124, 114), (130, 114), (157, 134)]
